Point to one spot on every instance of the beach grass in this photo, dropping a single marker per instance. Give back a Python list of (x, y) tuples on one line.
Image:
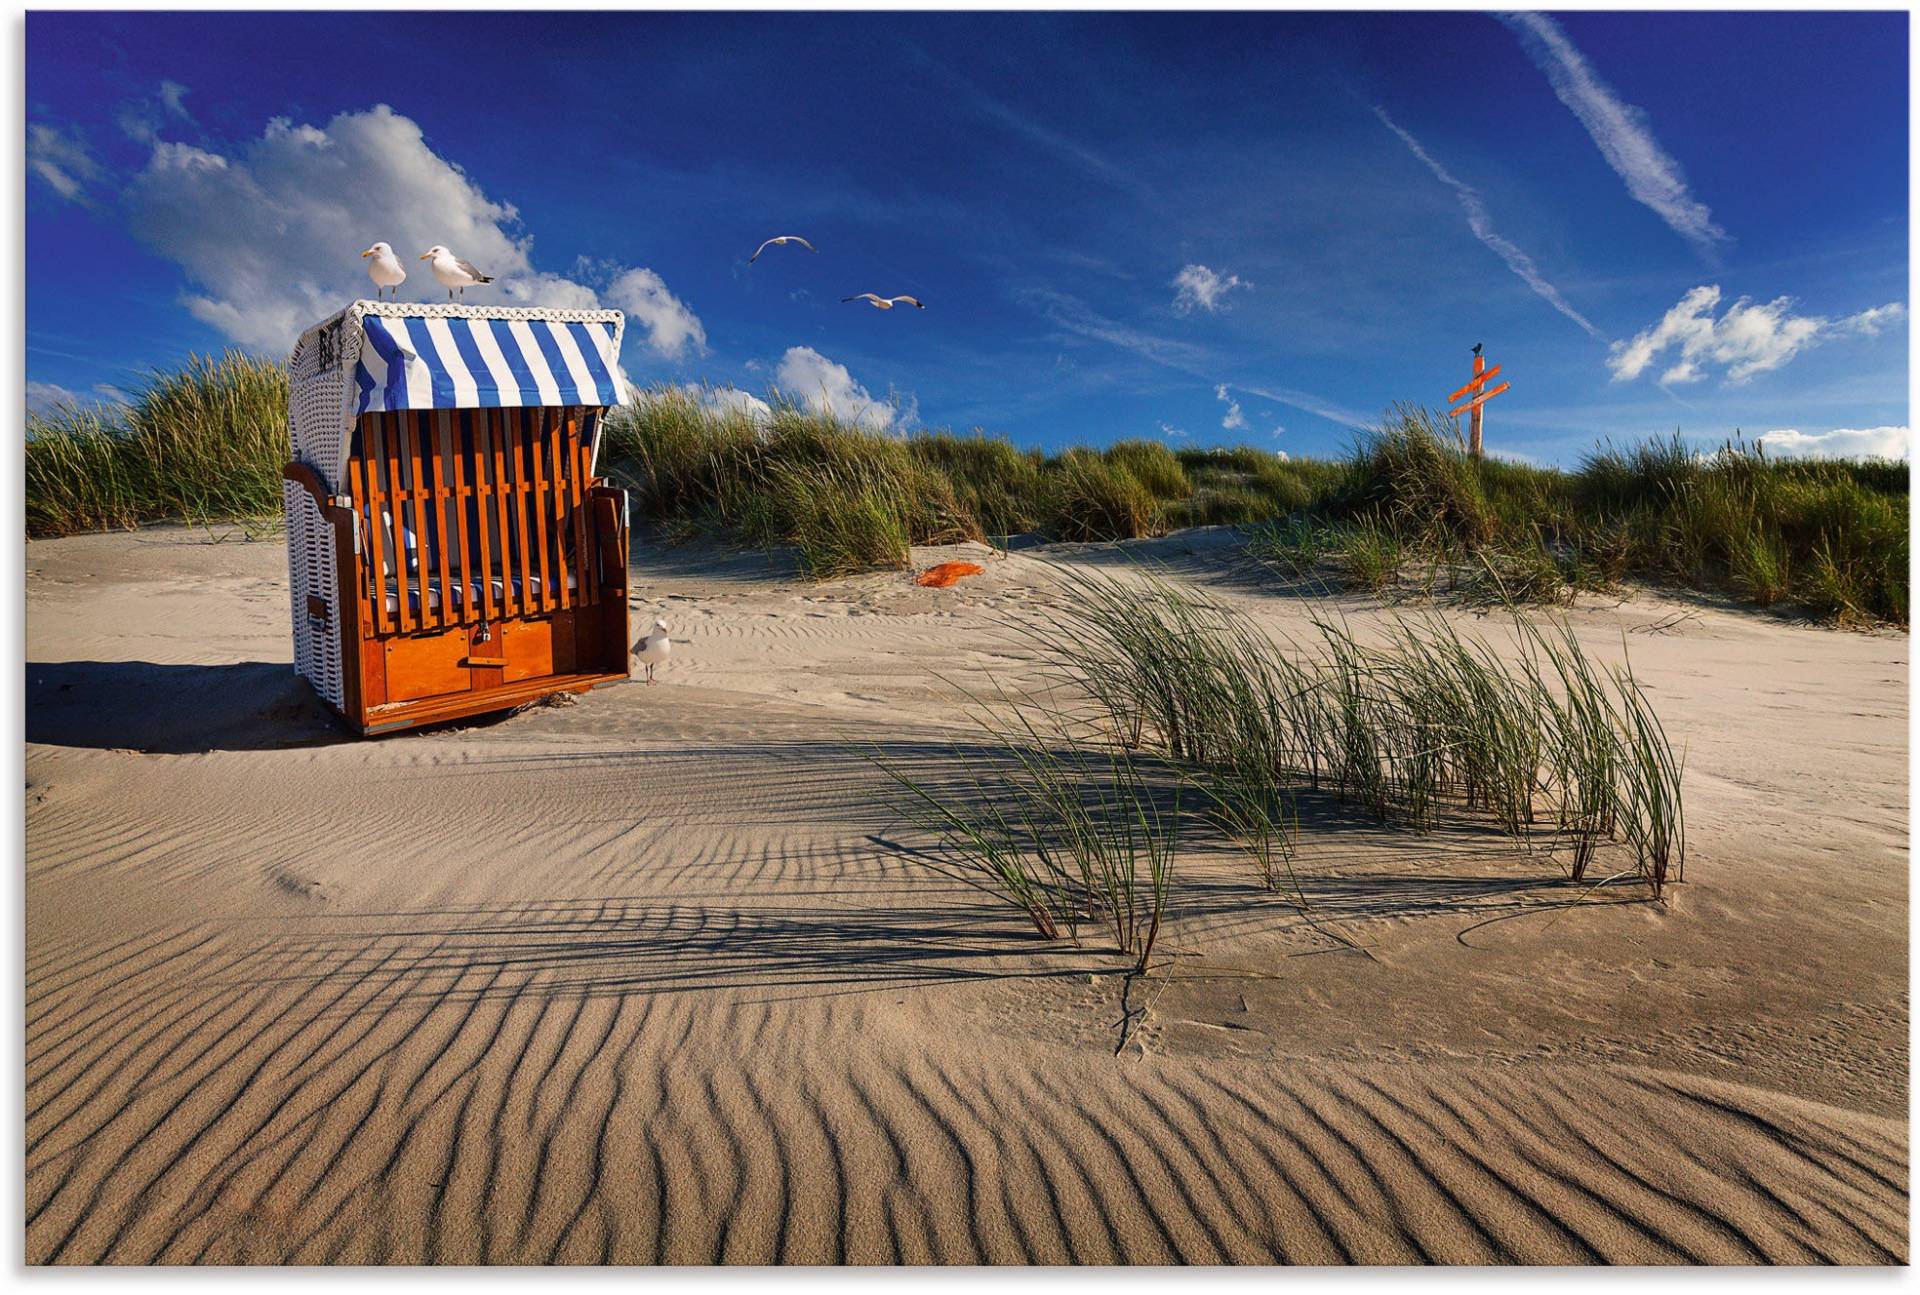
[(1424, 727), (1067, 831), (204, 443), (1407, 512), (1061, 808)]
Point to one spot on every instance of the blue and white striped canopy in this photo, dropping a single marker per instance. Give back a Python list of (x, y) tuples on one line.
[(441, 361)]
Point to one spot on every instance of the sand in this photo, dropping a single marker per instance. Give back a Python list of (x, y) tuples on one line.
[(660, 977)]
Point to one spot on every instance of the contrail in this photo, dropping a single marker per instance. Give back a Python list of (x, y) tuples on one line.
[(1619, 130), (1482, 225)]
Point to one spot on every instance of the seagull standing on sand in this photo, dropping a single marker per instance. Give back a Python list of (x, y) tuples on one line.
[(653, 648), (453, 272), (885, 303), (384, 269), (780, 241)]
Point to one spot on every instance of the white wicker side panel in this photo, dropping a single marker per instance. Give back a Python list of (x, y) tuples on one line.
[(311, 572), (320, 418)]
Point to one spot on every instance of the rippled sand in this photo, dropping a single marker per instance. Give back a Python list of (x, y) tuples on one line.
[(659, 977)]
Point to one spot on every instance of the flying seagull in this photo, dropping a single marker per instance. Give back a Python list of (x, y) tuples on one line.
[(384, 269), (885, 303), (781, 241), (653, 648), (453, 272)]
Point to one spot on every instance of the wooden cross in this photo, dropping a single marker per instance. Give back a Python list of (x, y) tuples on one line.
[(1480, 375)]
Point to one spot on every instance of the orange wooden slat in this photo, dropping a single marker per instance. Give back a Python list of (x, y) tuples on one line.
[(369, 562), (576, 475), (377, 519), (517, 446), (508, 603), (557, 459), (1479, 400), (415, 426), (477, 420), (1478, 379), (442, 532), (396, 505), (542, 502), (457, 453)]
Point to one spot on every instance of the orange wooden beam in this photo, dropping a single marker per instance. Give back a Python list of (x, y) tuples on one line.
[(1479, 400), (1478, 379)]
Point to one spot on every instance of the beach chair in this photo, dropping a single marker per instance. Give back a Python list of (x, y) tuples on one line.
[(449, 547)]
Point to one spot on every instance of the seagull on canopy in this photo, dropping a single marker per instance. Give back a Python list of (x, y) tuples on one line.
[(453, 272), (885, 303), (384, 269), (780, 241)]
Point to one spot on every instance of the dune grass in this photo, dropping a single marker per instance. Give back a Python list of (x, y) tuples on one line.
[(1829, 537), (203, 444), (1407, 511), (1064, 810), (1065, 831), (1418, 729)]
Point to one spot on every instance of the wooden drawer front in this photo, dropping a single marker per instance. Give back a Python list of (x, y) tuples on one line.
[(537, 648), (528, 648), (427, 666)]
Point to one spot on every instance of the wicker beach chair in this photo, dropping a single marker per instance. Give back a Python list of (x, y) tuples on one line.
[(450, 549)]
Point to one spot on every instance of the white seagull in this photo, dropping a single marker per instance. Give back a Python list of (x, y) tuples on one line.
[(781, 241), (384, 269), (885, 303), (452, 271), (653, 648)]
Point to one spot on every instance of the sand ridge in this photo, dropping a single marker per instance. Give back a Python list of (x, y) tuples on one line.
[(658, 977)]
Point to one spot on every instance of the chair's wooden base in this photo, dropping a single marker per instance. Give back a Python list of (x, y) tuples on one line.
[(395, 716)]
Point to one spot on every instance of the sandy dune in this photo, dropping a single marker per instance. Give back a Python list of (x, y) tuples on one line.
[(658, 976)]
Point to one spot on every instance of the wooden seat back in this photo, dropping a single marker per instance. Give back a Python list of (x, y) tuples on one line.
[(472, 515)]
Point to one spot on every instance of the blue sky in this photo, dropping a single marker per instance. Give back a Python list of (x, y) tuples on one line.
[(1216, 229)]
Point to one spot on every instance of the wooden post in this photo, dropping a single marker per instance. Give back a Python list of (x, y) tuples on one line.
[(1479, 367), (1475, 394)]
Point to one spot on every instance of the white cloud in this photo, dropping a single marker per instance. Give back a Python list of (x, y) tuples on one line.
[(671, 328), (1282, 455), (42, 396), (1868, 323), (141, 120), (1514, 456), (270, 235), (716, 400), (1840, 443), (1234, 420), (1279, 430), (61, 160), (826, 387), (1198, 288), (1173, 433), (1480, 221), (1751, 337), (1619, 129), (730, 400)]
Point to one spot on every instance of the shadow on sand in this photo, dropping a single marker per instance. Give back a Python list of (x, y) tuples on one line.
[(174, 709), (191, 709)]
